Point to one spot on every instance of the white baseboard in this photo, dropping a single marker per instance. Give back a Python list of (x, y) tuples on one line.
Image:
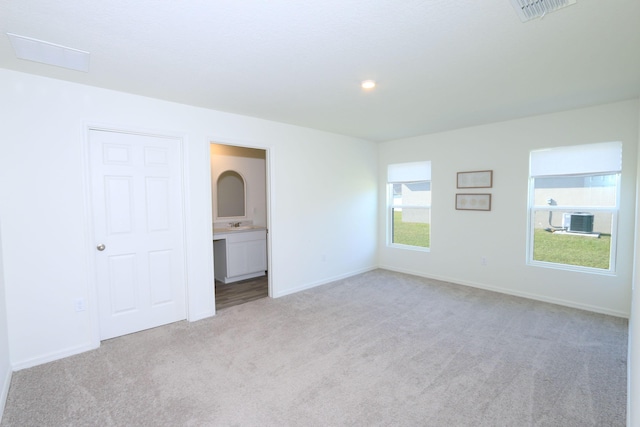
[(56, 355), (323, 282), (5, 392), (528, 295)]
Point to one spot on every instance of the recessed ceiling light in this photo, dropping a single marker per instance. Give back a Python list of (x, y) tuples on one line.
[(49, 53), (368, 84)]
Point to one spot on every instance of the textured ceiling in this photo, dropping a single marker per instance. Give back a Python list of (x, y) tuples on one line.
[(439, 64)]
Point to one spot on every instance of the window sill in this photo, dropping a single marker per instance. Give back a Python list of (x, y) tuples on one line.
[(408, 247), (574, 268)]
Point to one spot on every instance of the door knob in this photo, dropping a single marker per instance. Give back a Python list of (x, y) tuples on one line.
[(101, 247)]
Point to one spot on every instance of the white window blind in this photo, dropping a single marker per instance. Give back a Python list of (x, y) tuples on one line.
[(409, 172), (604, 157)]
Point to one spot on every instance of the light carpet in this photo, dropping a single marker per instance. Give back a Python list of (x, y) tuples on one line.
[(379, 348)]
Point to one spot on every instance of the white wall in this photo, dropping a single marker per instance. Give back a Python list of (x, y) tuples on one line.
[(461, 238), (633, 395), (253, 170), (5, 363), (330, 233)]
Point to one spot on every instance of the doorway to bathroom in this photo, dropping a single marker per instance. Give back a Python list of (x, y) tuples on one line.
[(239, 207)]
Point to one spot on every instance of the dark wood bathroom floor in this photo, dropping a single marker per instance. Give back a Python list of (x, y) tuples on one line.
[(230, 294)]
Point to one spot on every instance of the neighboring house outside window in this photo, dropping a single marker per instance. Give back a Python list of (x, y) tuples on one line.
[(409, 205), (573, 206)]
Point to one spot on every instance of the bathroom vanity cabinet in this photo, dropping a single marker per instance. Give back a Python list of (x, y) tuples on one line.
[(240, 255)]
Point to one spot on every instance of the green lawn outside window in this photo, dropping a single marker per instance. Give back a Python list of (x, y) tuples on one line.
[(410, 233), (572, 249)]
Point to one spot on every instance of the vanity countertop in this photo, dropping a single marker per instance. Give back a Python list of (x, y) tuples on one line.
[(233, 230)]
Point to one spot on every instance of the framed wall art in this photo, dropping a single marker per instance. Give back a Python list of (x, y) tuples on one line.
[(475, 179), (473, 202)]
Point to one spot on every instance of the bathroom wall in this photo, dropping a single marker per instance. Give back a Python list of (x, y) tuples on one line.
[(251, 164)]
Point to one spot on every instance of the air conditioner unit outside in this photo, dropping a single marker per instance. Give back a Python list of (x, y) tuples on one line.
[(578, 222)]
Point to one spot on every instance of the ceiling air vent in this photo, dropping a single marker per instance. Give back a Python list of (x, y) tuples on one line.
[(49, 53), (532, 9)]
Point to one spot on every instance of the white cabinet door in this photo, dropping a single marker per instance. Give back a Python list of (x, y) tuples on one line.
[(256, 256), (137, 206), (236, 259)]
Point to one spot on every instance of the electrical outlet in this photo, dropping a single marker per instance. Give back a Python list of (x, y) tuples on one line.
[(80, 304), (483, 261)]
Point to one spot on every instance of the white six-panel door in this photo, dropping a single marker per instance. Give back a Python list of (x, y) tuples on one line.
[(137, 203)]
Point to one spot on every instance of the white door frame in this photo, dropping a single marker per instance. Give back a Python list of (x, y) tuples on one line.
[(92, 288), (269, 194)]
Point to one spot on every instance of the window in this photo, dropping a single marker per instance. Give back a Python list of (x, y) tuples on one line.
[(573, 206), (409, 205)]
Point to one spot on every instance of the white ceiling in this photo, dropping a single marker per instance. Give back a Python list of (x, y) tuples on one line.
[(439, 64)]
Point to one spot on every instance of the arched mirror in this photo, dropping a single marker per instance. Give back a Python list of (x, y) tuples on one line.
[(231, 195)]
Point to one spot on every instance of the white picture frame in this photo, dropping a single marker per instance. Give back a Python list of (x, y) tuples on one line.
[(475, 179), (473, 202)]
